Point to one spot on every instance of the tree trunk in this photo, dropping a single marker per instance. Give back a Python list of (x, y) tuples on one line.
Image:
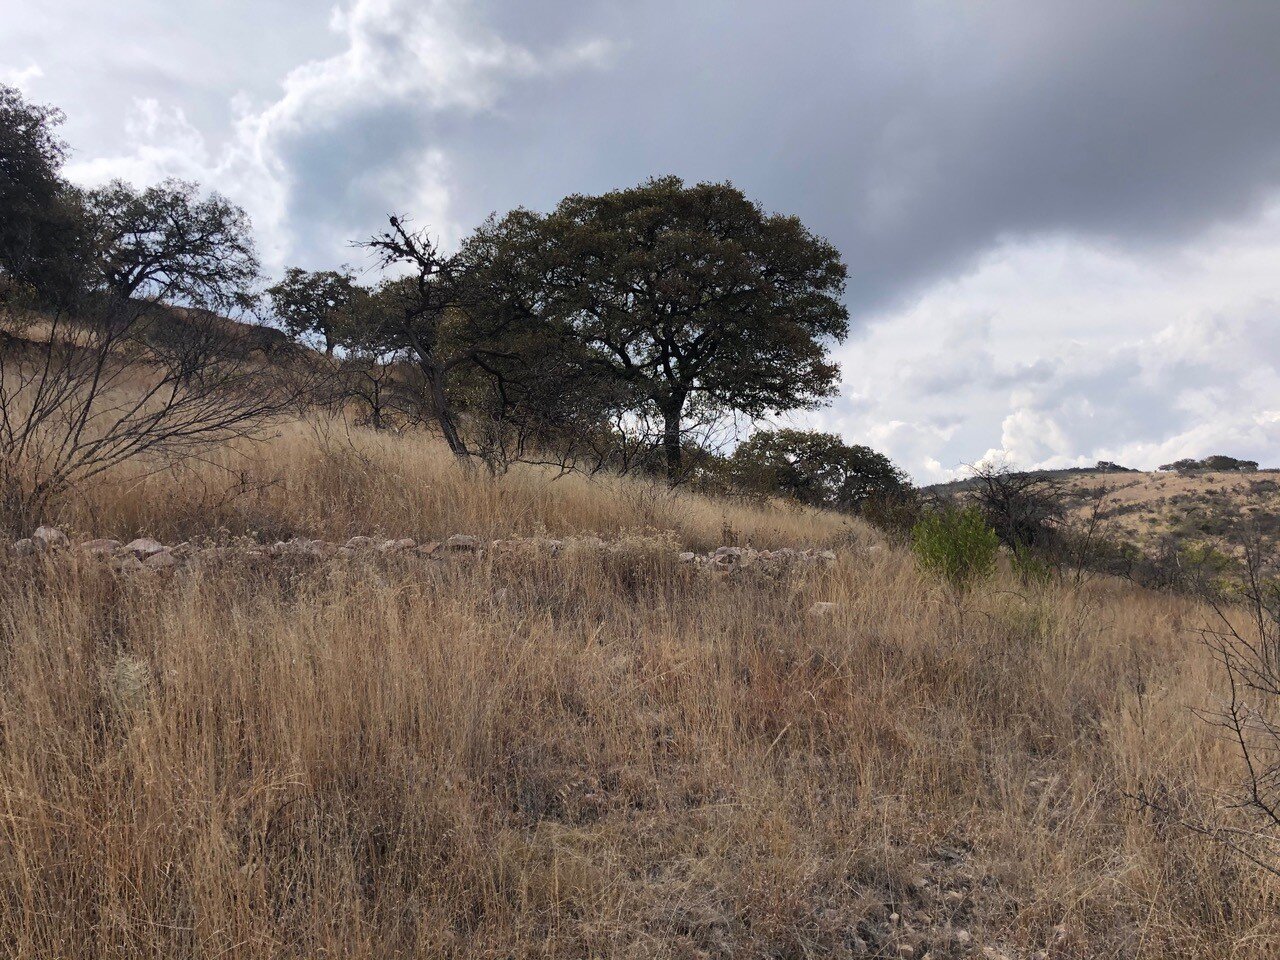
[(441, 411), (671, 418)]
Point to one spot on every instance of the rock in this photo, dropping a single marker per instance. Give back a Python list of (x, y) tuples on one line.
[(126, 564), (395, 546), (462, 543), (24, 547), (963, 937), (688, 557), (160, 560), (102, 547), (823, 608), (906, 951), (734, 552), (827, 556), (50, 538), (363, 543), (143, 547), (346, 553)]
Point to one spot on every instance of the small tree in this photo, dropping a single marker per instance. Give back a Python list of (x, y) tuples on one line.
[(443, 314), (815, 468), (313, 303), (167, 243), (96, 390), (956, 545), (41, 227), (1027, 511), (693, 298), (108, 367)]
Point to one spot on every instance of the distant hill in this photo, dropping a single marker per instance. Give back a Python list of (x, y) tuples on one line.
[(1154, 508)]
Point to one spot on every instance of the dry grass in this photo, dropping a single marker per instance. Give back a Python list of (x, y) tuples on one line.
[(594, 756), (318, 479)]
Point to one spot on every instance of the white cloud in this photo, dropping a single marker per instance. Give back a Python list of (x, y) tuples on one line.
[(1059, 351), (20, 77), (350, 133)]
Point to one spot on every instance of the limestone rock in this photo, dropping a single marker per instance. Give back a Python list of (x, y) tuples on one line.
[(126, 564), (143, 547), (102, 547), (161, 560), (50, 538)]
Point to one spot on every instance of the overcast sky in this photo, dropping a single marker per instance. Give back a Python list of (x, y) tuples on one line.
[(1061, 217)]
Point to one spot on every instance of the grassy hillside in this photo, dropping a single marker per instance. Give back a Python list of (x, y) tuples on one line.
[(602, 754), (1156, 509)]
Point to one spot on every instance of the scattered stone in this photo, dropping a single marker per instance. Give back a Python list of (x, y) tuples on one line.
[(160, 560), (462, 543), (723, 561), (143, 547), (823, 608), (50, 538)]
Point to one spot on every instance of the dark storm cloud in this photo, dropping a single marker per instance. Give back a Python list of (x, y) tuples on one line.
[(914, 135)]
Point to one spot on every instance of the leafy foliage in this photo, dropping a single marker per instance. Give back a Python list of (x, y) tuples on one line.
[(957, 545), (693, 298), (314, 303), (1217, 462), (818, 469), (168, 243), (41, 230)]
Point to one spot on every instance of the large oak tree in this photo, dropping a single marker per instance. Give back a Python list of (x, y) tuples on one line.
[(692, 296)]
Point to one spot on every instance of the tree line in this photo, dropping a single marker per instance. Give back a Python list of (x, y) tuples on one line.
[(627, 331)]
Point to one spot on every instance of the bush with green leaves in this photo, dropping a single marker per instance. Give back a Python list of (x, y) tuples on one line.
[(956, 545)]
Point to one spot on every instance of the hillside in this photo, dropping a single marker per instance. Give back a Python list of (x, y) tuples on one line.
[(1158, 508), (596, 750)]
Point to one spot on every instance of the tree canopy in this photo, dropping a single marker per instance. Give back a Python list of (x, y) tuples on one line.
[(815, 468), (314, 303), (169, 243), (692, 296), (40, 226)]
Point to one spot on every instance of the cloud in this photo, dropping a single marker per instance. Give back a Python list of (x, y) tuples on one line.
[(1060, 218), (1062, 351), (353, 136), (20, 77)]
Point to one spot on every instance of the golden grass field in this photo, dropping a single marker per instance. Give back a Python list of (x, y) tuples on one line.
[(603, 754)]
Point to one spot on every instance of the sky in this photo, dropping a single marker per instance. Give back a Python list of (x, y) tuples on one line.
[(1061, 219)]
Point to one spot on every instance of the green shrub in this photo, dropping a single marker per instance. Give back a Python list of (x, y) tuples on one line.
[(956, 545)]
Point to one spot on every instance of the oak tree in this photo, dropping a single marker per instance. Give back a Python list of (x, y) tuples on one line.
[(693, 297)]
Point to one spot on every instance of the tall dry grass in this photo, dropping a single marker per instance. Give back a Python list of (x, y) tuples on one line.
[(600, 755), (317, 478)]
